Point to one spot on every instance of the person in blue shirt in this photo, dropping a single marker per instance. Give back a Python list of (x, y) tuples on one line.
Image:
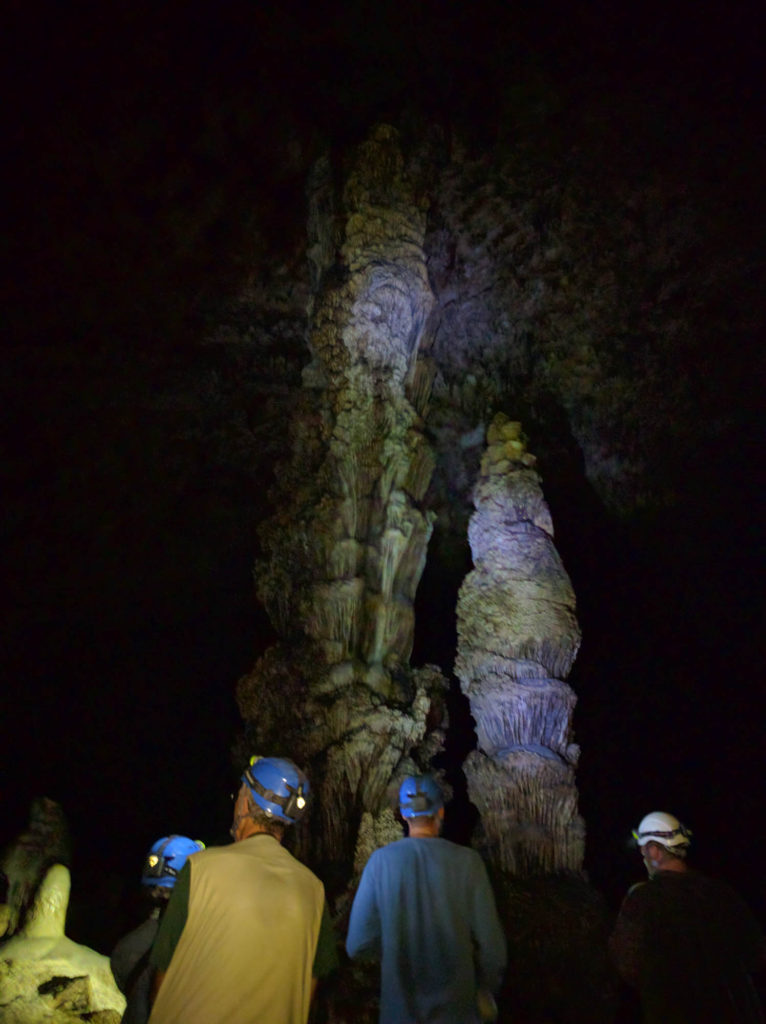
[(425, 909)]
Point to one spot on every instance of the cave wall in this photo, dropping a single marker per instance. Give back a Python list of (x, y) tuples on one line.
[(580, 277), (595, 271)]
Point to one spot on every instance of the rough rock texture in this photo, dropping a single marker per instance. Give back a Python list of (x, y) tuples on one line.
[(46, 976), (596, 273), (572, 278), (24, 863), (347, 545), (518, 637)]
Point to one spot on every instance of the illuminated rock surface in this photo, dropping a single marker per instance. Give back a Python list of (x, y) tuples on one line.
[(517, 639), (44, 976), (347, 545), (595, 270)]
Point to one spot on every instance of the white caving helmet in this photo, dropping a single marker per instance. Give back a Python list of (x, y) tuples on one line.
[(664, 829)]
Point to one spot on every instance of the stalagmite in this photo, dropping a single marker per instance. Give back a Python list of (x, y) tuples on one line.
[(518, 638), (44, 976)]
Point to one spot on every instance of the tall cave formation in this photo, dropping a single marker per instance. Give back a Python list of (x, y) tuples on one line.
[(518, 638), (386, 418), (346, 548), (225, 346)]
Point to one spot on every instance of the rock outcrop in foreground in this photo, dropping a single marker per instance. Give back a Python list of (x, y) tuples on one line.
[(44, 976)]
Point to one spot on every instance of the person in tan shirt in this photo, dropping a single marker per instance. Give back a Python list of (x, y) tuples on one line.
[(246, 934)]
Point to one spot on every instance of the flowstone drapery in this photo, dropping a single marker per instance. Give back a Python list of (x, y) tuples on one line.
[(518, 639), (346, 548)]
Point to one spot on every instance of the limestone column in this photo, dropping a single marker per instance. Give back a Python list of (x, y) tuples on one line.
[(518, 637), (347, 545)]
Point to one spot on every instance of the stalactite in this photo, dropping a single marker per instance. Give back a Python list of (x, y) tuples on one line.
[(419, 471), (393, 545), (344, 558), (421, 384), (335, 614), (387, 638)]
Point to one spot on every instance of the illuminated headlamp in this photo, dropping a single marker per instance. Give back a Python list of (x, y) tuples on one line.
[(292, 805), (647, 837)]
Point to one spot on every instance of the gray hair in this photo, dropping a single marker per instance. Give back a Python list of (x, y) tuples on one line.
[(267, 822)]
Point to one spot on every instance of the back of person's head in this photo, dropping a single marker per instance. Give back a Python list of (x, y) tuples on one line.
[(164, 861), (278, 792), (420, 796), (666, 831)]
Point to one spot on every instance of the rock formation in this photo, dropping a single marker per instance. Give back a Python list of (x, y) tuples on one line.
[(518, 639), (25, 861), (46, 976), (346, 548)]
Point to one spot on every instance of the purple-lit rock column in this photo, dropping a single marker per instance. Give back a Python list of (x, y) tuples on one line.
[(518, 638)]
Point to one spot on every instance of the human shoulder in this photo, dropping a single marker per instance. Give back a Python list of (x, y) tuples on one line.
[(300, 872), (464, 854), (395, 849), (300, 868), (720, 894), (637, 889), (635, 899)]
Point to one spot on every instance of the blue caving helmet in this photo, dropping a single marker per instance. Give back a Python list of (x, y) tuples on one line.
[(278, 786), (166, 858), (420, 796)]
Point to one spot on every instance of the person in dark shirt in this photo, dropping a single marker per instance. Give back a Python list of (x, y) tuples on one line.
[(687, 942), (130, 957)]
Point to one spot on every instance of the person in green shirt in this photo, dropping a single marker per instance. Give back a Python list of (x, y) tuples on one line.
[(129, 959)]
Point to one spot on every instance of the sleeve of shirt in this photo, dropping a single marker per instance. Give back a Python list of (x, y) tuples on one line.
[(625, 940), (326, 955), (129, 951), (120, 967), (487, 930), (173, 921), (363, 939)]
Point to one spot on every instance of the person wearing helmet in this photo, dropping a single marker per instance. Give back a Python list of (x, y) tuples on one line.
[(246, 933), (130, 957), (686, 942), (425, 908)]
